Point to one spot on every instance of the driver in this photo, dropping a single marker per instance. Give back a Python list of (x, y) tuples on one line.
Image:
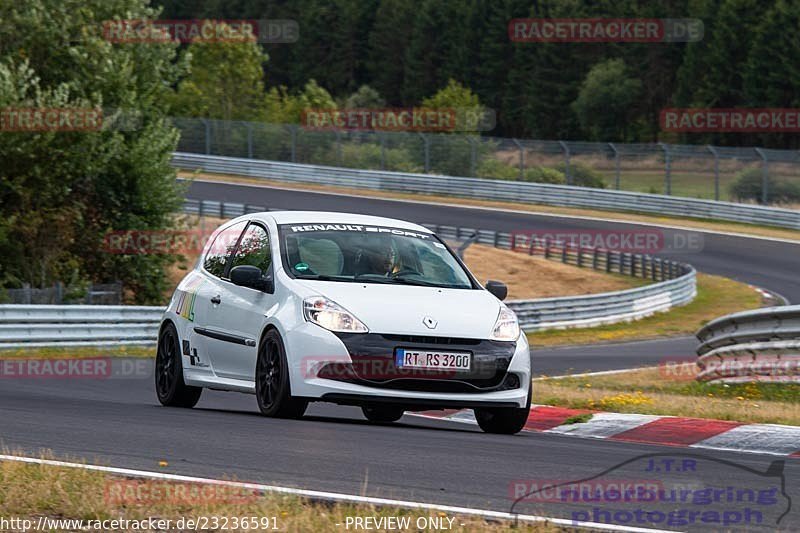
[(381, 258)]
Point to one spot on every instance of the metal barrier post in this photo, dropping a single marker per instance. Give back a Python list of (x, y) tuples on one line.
[(250, 140), (716, 170), (207, 127), (473, 155), (764, 176), (616, 165), (293, 129), (567, 172), (521, 159), (426, 151), (383, 149), (667, 169)]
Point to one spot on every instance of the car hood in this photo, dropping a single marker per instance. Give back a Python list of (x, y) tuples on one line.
[(401, 309)]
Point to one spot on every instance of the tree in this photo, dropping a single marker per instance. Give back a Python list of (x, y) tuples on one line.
[(280, 106), (364, 98), (226, 81), (466, 105), (389, 38), (605, 102), (61, 191)]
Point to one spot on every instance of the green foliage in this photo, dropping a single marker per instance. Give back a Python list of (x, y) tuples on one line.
[(748, 186), (368, 156), (493, 168), (462, 101), (582, 175), (545, 175), (364, 98), (282, 107), (226, 81), (409, 49), (604, 103), (61, 191), (496, 169)]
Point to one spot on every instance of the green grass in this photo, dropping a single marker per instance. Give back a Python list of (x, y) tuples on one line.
[(80, 352), (661, 392)]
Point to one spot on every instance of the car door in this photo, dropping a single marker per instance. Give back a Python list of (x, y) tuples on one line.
[(239, 315), (207, 298)]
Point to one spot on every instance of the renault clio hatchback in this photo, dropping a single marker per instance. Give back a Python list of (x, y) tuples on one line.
[(299, 306)]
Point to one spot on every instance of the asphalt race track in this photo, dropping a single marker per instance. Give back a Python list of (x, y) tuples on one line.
[(118, 421)]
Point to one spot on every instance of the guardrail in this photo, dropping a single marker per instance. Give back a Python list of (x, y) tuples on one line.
[(491, 189), (759, 345), (77, 325)]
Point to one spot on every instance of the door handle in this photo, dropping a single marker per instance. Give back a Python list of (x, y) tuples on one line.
[(216, 299)]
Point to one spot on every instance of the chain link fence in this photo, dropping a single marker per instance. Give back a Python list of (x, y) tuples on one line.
[(740, 174), (97, 294)]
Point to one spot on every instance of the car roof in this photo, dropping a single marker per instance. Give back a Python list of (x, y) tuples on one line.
[(320, 217)]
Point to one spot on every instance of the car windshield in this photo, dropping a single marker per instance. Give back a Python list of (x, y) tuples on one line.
[(369, 254)]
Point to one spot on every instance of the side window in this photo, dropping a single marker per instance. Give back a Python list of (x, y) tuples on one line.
[(254, 249), (220, 249)]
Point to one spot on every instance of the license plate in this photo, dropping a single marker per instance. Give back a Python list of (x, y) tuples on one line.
[(405, 358)]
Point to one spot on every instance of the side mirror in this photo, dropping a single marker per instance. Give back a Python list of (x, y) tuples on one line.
[(498, 288), (251, 277)]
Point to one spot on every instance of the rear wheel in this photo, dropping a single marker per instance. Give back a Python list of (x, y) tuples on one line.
[(375, 413), (171, 390), (273, 390), (506, 421)]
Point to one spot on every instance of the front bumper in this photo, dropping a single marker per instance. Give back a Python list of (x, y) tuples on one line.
[(359, 369)]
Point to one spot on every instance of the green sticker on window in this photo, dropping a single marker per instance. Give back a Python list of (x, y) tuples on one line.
[(301, 267)]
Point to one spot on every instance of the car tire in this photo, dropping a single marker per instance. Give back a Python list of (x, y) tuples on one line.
[(382, 413), (505, 421), (171, 390), (273, 389)]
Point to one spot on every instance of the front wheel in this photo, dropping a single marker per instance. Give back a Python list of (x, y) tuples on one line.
[(273, 390), (171, 390), (382, 413), (505, 421)]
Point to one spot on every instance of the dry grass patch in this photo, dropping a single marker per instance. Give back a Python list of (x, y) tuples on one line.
[(701, 224), (32, 491), (716, 296), (655, 391), (536, 277)]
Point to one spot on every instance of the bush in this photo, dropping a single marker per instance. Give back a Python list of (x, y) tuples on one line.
[(748, 183), (583, 176), (545, 175), (496, 169), (368, 156)]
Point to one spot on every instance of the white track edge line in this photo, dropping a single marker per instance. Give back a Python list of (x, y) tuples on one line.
[(506, 210), (332, 496)]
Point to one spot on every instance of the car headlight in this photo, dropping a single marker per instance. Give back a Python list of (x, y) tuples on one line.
[(506, 328), (331, 316)]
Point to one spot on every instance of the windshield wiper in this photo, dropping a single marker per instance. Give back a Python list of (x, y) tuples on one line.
[(324, 277)]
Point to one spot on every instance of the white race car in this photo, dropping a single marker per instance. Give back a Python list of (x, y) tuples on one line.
[(303, 306)]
